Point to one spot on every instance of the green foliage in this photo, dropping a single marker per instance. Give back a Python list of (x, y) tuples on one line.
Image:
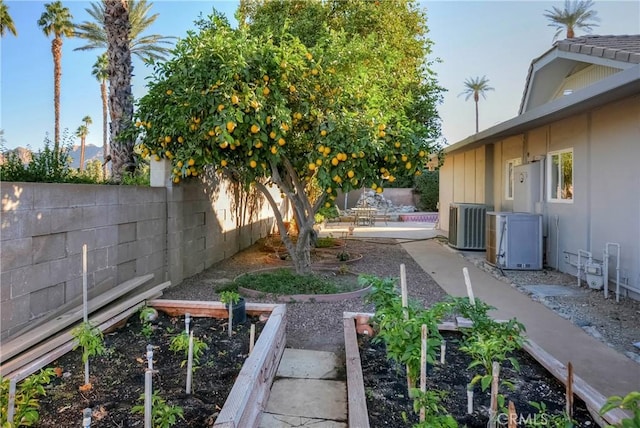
[(326, 213), (630, 402), (326, 242), (427, 186), (47, 166), (146, 314), (284, 281), (180, 343), (544, 418), (436, 416), (163, 415), (90, 339), (26, 403), (229, 297), (140, 177), (384, 291)]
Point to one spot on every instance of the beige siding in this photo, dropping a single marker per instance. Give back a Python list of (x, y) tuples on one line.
[(458, 177), (584, 77), (479, 182)]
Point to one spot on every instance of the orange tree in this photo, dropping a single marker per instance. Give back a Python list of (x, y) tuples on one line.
[(265, 113)]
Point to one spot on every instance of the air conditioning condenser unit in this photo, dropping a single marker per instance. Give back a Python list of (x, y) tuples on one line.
[(514, 240), (467, 226)]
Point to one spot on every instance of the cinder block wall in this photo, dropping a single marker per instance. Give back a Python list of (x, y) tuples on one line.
[(130, 231)]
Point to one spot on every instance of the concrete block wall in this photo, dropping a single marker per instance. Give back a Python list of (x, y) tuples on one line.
[(172, 232), (43, 228)]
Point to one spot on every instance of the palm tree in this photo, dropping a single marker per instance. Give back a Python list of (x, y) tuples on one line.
[(117, 27), (147, 48), (576, 14), (82, 132), (56, 21), (476, 86), (6, 22), (101, 71)]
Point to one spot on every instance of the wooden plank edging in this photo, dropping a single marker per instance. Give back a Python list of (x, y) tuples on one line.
[(202, 308), (19, 365), (592, 398), (356, 401), (25, 341), (250, 392)]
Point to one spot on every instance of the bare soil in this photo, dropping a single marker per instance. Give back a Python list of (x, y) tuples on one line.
[(389, 404), (118, 377)]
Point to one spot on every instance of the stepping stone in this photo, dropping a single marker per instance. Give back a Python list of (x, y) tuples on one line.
[(305, 364), (309, 398), (270, 420)]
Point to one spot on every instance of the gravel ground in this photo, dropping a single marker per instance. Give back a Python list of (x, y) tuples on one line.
[(319, 325)]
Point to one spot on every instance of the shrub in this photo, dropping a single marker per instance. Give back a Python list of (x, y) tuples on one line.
[(427, 186)]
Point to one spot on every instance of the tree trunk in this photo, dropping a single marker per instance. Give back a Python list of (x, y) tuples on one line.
[(56, 50), (570, 33), (120, 96), (82, 146), (476, 99), (105, 145)]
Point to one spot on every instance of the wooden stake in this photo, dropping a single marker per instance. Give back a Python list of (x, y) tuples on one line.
[(513, 416), (403, 289), (252, 337), (405, 304), (569, 391), (12, 400), (85, 307), (148, 402), (495, 368), (230, 318), (423, 367), (189, 363), (467, 281)]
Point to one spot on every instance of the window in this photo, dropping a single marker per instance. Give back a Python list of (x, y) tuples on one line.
[(511, 163), (560, 176)]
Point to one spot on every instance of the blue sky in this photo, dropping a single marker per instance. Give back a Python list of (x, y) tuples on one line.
[(471, 38)]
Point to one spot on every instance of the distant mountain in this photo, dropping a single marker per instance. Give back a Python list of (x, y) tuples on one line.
[(91, 152)]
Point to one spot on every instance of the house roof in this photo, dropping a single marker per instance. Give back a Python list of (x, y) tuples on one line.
[(619, 48), (621, 52)]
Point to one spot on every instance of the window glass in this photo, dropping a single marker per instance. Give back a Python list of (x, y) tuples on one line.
[(561, 175)]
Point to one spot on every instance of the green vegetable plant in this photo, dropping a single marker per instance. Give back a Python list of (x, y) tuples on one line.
[(436, 416), (147, 313), (26, 404), (544, 418), (163, 415), (90, 339), (180, 343), (630, 402)]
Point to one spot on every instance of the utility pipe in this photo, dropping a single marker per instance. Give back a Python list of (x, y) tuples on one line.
[(148, 399), (187, 321), (189, 364), (589, 258), (606, 256)]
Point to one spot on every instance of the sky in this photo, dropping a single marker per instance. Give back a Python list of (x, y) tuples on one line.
[(496, 39)]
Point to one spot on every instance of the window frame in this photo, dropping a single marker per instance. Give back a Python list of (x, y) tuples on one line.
[(551, 192), (510, 182)]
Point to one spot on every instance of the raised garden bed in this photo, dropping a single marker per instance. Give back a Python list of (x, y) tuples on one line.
[(211, 403), (535, 358)]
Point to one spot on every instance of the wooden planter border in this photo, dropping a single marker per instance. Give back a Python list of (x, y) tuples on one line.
[(358, 415), (250, 392)]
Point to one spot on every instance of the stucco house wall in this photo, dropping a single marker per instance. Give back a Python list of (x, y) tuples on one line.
[(606, 177)]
